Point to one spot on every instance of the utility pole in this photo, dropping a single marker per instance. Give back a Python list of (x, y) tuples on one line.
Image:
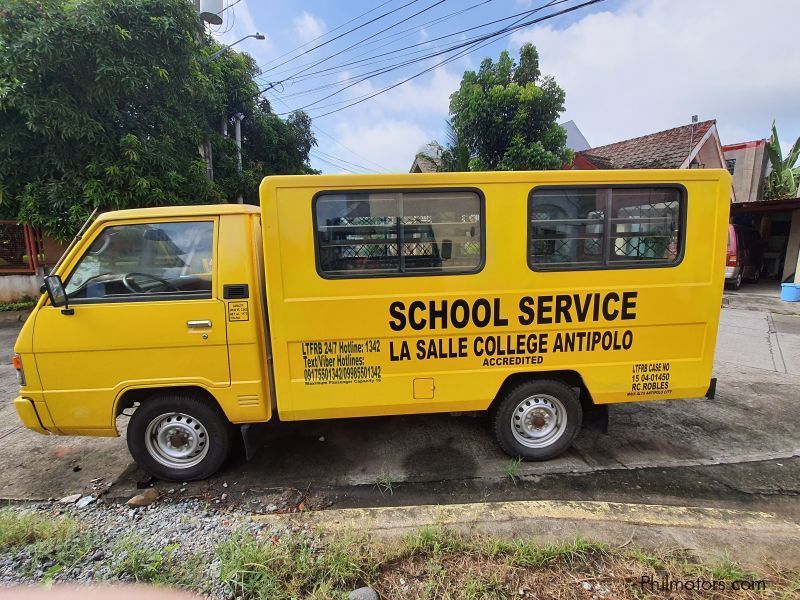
[(238, 133)]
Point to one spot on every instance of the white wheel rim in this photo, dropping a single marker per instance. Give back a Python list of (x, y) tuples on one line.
[(538, 421), (176, 440)]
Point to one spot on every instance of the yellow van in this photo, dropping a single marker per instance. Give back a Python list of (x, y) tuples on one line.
[(541, 297)]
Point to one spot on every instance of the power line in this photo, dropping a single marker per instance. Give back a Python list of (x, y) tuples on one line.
[(369, 37), (417, 28), (380, 71), (468, 43), (347, 162), (510, 30), (337, 28), (333, 139), (336, 141), (424, 43), (349, 31), (328, 162)]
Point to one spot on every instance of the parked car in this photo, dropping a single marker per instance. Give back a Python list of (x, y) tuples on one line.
[(745, 257)]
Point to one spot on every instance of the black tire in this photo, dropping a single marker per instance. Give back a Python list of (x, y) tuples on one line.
[(201, 425), (555, 400), (736, 282)]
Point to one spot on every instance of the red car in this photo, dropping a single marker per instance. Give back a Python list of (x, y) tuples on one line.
[(745, 256)]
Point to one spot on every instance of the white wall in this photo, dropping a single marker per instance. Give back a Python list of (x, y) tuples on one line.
[(15, 287)]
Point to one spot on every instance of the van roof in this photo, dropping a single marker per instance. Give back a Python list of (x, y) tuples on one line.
[(181, 210)]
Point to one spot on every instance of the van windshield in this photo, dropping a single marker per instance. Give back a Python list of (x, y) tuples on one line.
[(152, 258)]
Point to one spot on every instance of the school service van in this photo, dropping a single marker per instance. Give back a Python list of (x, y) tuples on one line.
[(541, 297)]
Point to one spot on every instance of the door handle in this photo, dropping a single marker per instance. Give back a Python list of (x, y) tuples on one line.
[(204, 324)]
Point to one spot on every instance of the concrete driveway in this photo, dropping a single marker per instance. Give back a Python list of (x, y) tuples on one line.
[(753, 418)]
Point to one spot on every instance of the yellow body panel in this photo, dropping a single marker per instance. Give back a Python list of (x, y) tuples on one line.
[(79, 366), (315, 320), (279, 347)]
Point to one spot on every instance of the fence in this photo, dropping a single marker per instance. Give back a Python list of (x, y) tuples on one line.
[(21, 248)]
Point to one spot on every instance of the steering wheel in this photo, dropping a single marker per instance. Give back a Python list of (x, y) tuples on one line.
[(127, 281)]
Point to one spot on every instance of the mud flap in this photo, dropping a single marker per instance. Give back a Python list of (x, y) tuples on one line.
[(596, 418), (253, 436)]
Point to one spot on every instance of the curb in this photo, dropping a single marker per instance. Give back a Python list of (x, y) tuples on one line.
[(405, 518), (753, 539)]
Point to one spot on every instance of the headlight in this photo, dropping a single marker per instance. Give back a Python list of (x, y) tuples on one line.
[(17, 362)]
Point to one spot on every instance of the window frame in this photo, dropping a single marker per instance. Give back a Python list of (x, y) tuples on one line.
[(154, 297), (608, 265), (399, 274)]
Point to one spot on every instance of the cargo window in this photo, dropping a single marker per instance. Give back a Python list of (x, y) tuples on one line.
[(146, 261), (603, 227), (363, 234)]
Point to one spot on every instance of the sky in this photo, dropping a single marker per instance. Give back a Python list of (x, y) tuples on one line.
[(629, 67)]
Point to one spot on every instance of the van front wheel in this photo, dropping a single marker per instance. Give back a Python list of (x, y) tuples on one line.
[(537, 420), (178, 437)]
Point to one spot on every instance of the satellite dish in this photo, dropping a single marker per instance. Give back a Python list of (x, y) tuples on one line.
[(211, 11)]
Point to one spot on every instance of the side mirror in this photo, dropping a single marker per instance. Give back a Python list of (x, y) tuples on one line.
[(55, 291)]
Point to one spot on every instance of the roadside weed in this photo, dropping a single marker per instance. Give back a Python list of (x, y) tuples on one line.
[(301, 565), (385, 483), (512, 469), (136, 561), (19, 529), (727, 570), (52, 545)]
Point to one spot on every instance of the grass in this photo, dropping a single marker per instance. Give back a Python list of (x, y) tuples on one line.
[(54, 545), (23, 303), (385, 483), (512, 469), (302, 565), (436, 562), (136, 561), (432, 562)]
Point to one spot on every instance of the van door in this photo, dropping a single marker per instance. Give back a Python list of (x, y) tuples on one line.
[(146, 315)]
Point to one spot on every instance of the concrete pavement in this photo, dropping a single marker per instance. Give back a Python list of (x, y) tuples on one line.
[(753, 418)]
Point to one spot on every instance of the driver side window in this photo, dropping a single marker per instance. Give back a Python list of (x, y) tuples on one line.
[(149, 260)]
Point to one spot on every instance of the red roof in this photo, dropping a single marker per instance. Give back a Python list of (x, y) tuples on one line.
[(662, 150)]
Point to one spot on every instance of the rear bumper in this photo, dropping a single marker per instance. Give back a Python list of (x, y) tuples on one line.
[(28, 415), (731, 272)]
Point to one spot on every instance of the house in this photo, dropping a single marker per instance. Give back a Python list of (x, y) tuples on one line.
[(777, 220), (692, 146)]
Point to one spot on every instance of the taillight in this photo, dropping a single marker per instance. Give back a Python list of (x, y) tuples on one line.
[(17, 362), (732, 260)]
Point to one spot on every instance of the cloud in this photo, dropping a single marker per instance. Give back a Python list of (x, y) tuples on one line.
[(239, 22), (652, 64), (308, 27), (389, 142)]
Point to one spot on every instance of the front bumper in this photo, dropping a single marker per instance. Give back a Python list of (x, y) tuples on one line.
[(28, 415)]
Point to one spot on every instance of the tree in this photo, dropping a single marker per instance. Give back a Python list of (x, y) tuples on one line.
[(782, 180), (505, 115), (106, 103)]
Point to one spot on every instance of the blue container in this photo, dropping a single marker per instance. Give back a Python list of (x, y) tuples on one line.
[(790, 292)]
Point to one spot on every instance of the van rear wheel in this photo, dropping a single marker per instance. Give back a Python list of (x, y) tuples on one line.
[(537, 420), (179, 437)]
